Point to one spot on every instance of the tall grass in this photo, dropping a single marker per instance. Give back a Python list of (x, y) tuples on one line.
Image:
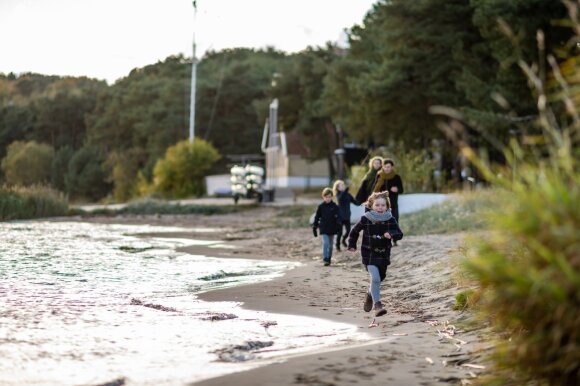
[(461, 212), (527, 267), (31, 202)]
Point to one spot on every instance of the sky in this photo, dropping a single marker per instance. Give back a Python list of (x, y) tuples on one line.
[(106, 39)]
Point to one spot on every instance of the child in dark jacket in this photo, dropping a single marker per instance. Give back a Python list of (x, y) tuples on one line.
[(328, 220), (344, 199), (379, 229)]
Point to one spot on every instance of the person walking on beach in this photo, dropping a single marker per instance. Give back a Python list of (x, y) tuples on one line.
[(344, 199), (328, 220), (388, 180), (367, 184), (379, 228)]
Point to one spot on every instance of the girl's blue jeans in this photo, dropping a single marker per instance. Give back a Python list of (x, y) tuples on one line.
[(375, 285), (327, 244)]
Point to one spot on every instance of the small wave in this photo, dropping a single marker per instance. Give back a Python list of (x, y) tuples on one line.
[(241, 353), (217, 316), (128, 249), (223, 274), (137, 302)]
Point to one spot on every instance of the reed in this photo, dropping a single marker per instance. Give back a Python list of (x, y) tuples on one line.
[(31, 202), (526, 265)]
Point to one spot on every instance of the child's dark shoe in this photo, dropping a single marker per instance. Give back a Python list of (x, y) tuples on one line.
[(368, 306), (326, 263), (344, 241), (338, 247), (379, 310)]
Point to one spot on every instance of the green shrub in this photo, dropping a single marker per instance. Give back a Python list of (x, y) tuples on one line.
[(31, 202), (529, 270), (124, 173), (27, 163), (181, 172), (528, 264), (465, 299)]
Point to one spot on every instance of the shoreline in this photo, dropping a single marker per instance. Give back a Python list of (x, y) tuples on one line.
[(405, 340), (421, 340)]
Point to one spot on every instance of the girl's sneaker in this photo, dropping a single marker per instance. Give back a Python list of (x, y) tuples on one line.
[(379, 310), (368, 306), (326, 263)]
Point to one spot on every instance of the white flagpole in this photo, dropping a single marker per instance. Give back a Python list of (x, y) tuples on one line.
[(193, 80)]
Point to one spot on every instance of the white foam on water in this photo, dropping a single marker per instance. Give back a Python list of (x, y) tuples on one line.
[(85, 304)]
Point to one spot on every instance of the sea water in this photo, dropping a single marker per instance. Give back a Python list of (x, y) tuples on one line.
[(89, 304)]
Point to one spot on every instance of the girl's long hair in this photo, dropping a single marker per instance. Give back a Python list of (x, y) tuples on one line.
[(375, 196), (373, 160), (335, 186)]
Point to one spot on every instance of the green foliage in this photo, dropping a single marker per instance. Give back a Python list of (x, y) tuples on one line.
[(46, 109), (147, 110), (299, 90), (181, 172), (31, 202), (415, 166), (528, 265), (86, 177), (401, 62), (459, 213), (408, 56), (233, 93), (529, 270), (405, 57), (124, 173), (27, 163), (59, 168), (61, 109), (464, 299)]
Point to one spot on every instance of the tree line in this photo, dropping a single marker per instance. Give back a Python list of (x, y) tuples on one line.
[(94, 139)]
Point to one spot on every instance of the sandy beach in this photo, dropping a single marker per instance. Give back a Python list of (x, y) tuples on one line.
[(421, 340)]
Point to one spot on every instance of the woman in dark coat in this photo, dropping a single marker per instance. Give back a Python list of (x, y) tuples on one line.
[(366, 185)]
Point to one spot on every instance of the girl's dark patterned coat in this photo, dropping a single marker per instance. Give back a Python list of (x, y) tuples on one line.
[(328, 218), (375, 249)]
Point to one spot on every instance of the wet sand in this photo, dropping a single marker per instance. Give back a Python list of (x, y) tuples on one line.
[(421, 340)]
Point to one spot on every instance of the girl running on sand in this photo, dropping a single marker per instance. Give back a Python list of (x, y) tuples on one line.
[(379, 228)]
